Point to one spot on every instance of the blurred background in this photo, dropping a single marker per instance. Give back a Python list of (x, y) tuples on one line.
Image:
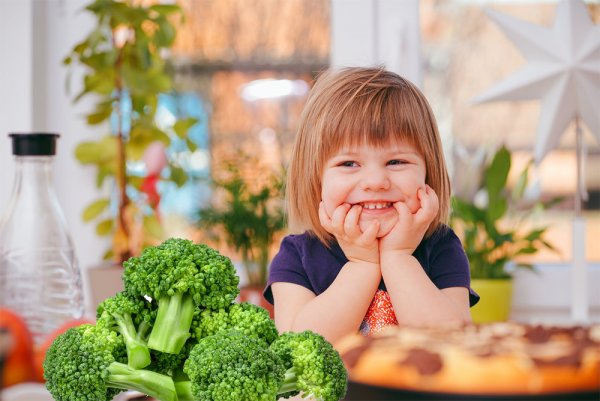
[(240, 73)]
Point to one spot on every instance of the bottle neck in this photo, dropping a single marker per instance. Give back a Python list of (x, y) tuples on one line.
[(33, 174)]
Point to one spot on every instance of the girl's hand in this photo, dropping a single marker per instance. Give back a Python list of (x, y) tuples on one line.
[(408, 232), (358, 246)]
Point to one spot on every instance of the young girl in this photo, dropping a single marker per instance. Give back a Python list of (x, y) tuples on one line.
[(369, 192)]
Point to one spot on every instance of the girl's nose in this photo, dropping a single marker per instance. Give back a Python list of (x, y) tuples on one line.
[(375, 180)]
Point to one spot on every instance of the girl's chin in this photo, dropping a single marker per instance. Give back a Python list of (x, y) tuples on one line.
[(385, 225)]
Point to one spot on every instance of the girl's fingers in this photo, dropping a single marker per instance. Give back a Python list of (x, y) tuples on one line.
[(351, 227), (370, 234), (325, 219), (429, 205), (339, 216), (403, 211)]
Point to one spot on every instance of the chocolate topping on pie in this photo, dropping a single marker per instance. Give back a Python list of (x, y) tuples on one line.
[(427, 363)]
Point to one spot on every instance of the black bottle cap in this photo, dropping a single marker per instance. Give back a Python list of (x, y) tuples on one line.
[(34, 143)]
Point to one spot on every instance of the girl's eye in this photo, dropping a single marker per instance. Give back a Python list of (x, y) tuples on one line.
[(396, 162), (348, 163)]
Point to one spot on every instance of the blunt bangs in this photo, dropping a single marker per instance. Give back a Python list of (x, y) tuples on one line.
[(377, 114)]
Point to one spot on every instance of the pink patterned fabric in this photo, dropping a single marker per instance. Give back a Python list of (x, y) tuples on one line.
[(379, 315)]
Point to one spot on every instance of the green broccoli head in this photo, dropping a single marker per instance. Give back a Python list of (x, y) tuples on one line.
[(233, 367), (315, 368), (171, 364), (76, 364), (182, 277), (131, 317), (85, 363), (246, 318)]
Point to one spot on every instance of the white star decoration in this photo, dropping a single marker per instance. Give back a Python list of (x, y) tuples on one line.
[(563, 70)]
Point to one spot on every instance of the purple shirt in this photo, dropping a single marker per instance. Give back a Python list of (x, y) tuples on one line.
[(304, 260)]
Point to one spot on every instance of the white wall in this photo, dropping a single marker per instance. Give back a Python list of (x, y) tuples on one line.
[(34, 38), (374, 32)]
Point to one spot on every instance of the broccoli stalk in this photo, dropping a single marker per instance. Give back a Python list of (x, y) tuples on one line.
[(182, 277), (153, 384), (184, 390), (86, 363), (118, 313), (290, 382), (138, 354), (173, 320)]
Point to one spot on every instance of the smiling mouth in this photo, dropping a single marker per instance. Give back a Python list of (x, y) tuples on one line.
[(375, 205)]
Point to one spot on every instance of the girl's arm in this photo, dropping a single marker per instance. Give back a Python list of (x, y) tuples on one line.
[(416, 300), (334, 313)]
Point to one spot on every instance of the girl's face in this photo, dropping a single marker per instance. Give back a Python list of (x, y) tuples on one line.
[(375, 178)]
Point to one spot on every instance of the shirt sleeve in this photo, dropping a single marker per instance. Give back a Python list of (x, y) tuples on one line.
[(286, 267), (449, 264)]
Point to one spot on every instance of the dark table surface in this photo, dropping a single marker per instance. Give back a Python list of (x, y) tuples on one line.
[(361, 392)]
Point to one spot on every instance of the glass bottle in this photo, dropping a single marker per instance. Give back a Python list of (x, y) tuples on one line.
[(39, 274)]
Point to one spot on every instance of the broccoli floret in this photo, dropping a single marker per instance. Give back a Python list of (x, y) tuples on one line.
[(132, 318), (182, 277), (83, 364), (231, 367), (246, 318), (314, 368), (171, 364)]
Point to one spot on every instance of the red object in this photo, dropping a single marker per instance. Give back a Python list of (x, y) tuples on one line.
[(40, 351), (18, 366), (149, 187), (379, 315)]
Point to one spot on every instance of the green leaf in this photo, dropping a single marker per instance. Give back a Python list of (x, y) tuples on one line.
[(535, 234), (165, 34), (521, 185), (166, 9), (496, 210), (108, 255), (497, 173), (191, 145), (178, 176), (94, 209), (135, 182), (181, 127), (104, 227), (102, 151), (98, 117), (529, 250)]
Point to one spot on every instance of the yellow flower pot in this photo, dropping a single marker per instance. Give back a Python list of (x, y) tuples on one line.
[(496, 300)]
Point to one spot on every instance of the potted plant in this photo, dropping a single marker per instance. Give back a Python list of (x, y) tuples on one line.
[(494, 235), (248, 215), (125, 71)]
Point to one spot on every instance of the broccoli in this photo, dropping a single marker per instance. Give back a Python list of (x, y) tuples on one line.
[(182, 277), (85, 364), (248, 319), (171, 364), (314, 368), (231, 367), (132, 318)]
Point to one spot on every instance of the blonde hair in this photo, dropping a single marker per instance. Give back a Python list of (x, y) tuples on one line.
[(350, 107)]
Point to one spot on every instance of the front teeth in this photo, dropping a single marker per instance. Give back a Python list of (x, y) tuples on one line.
[(376, 205)]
